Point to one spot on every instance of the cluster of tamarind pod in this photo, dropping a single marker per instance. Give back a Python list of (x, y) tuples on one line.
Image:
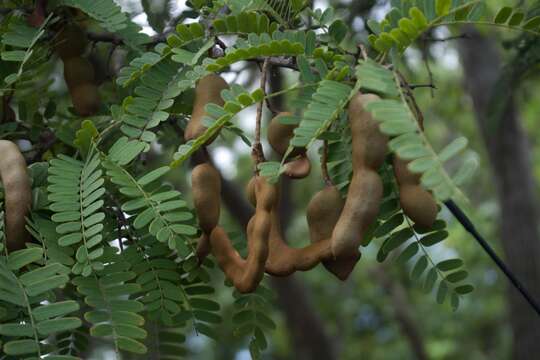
[(336, 225), (79, 74)]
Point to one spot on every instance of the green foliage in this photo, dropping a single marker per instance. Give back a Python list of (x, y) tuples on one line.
[(405, 23), (76, 191), (242, 23), (289, 43), (236, 99), (112, 313), (411, 245), (27, 291), (19, 46), (159, 209), (147, 109), (111, 18), (251, 318)]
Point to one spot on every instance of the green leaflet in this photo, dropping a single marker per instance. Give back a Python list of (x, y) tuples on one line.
[(403, 26), (75, 191), (113, 314), (164, 213)]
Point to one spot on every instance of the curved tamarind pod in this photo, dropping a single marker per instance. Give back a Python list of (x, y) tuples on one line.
[(206, 188), (298, 168), (70, 42), (250, 191), (203, 248), (18, 194), (322, 214), (364, 196), (284, 260), (246, 274), (417, 203), (85, 98), (78, 71), (208, 90)]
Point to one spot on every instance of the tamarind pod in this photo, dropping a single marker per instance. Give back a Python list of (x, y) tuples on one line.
[(246, 274), (361, 208), (298, 168), (284, 260), (323, 212), (85, 98), (18, 194), (250, 191), (208, 90), (206, 189), (417, 203), (369, 144), (70, 42), (78, 71), (364, 196), (279, 136), (203, 248)]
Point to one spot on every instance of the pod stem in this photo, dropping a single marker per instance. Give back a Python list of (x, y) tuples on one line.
[(324, 164), (470, 228), (257, 150)]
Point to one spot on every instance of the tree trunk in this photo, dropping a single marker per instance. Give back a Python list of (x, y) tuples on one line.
[(508, 152)]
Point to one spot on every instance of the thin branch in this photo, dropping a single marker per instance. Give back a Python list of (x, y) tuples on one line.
[(449, 38), (418, 86), (257, 150), (324, 164)]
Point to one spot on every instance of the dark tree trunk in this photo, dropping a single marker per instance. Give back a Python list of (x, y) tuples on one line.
[(508, 152)]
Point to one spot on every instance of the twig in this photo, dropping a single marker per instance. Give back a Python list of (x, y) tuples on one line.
[(257, 150), (449, 38), (324, 164), (425, 58), (469, 227), (417, 86), (279, 61)]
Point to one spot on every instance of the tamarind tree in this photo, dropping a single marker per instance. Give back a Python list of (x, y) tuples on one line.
[(98, 243)]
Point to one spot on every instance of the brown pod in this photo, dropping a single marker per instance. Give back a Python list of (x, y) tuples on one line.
[(78, 71), (206, 189), (70, 42), (364, 196), (298, 168), (208, 90), (246, 274), (322, 214), (18, 194), (250, 191), (284, 260), (203, 248), (85, 98), (279, 135), (417, 203)]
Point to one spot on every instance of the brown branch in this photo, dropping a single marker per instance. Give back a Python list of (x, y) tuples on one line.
[(324, 164), (257, 150)]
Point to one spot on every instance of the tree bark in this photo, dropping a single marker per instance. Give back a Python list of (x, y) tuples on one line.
[(509, 154)]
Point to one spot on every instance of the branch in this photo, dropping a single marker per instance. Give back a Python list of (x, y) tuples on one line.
[(257, 150)]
